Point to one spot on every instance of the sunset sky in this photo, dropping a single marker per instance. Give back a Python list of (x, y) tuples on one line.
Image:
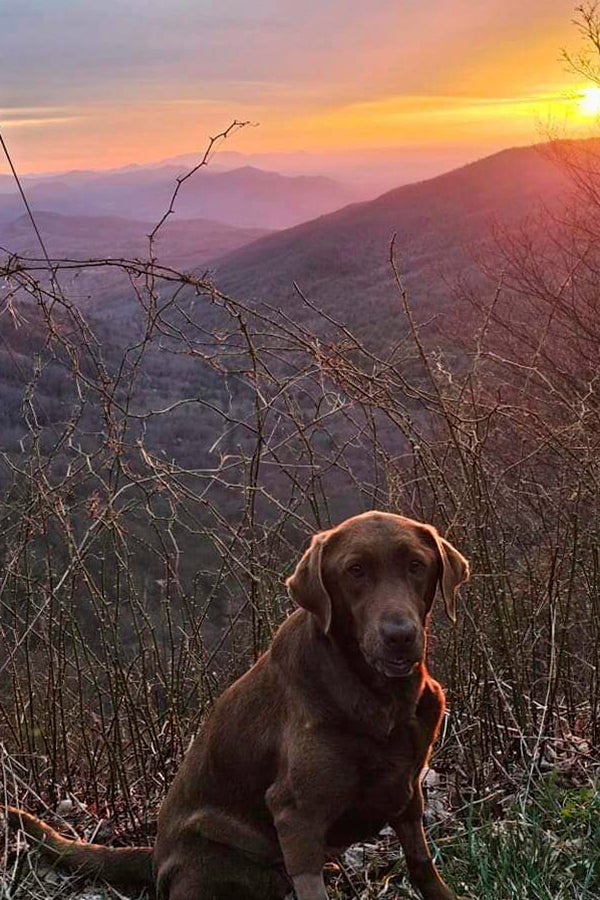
[(100, 83)]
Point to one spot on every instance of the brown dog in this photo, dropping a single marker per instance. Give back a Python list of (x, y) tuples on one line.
[(319, 745)]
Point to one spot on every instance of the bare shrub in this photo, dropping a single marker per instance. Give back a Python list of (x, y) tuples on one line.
[(163, 476)]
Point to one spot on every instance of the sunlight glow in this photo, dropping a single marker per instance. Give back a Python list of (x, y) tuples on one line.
[(589, 101)]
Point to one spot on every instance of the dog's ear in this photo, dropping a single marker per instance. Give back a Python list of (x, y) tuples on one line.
[(306, 584), (454, 572)]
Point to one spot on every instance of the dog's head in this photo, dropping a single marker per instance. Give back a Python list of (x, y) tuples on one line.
[(376, 576)]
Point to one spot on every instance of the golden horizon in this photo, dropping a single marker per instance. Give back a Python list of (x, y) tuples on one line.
[(436, 122)]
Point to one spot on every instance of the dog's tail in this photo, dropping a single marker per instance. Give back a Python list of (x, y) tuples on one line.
[(127, 866)]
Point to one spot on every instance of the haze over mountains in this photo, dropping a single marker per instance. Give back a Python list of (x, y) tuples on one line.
[(335, 248), (244, 197), (369, 171), (340, 261), (364, 173)]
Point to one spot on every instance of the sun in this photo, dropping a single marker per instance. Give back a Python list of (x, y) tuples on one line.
[(589, 101)]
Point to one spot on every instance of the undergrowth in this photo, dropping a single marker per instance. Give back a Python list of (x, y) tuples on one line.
[(544, 847)]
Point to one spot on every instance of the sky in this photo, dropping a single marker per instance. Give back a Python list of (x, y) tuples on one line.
[(104, 83)]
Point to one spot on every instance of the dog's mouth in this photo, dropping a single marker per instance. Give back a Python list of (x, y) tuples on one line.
[(398, 668), (393, 668)]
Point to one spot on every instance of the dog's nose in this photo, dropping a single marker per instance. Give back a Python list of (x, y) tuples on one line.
[(398, 634)]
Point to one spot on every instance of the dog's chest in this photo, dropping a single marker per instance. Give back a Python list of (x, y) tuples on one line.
[(384, 789), (386, 772)]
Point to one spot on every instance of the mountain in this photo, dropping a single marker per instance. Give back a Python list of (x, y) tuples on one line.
[(369, 171), (342, 260), (11, 206), (185, 243), (245, 197), (7, 183)]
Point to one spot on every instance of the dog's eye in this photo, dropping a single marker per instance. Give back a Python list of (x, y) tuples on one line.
[(357, 570), (415, 566)]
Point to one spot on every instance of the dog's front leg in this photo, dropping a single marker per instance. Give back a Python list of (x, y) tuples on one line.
[(309, 887), (422, 871), (301, 830)]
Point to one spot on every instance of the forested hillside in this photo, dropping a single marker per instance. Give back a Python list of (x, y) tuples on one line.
[(442, 227), (341, 262), (187, 244)]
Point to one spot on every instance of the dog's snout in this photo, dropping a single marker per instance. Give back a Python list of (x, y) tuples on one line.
[(398, 634)]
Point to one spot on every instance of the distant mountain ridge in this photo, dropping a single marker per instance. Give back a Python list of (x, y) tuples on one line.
[(245, 197)]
